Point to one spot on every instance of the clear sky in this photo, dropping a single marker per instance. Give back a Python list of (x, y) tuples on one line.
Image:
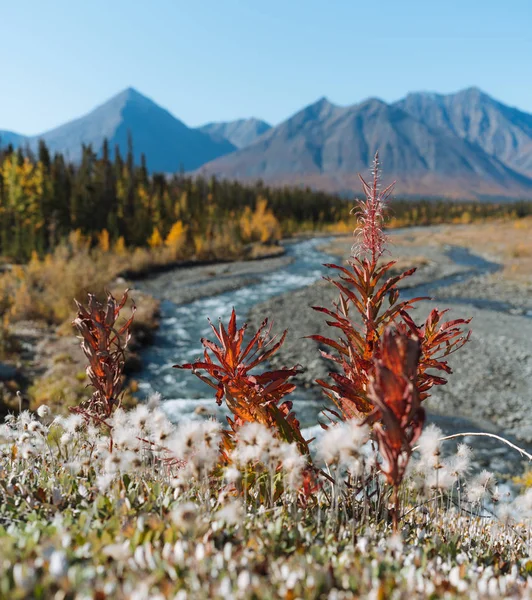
[(210, 60)]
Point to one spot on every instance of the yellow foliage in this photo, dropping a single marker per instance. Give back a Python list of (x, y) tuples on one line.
[(176, 237), (24, 186), (155, 240), (523, 223), (46, 288), (22, 303), (143, 195), (199, 242), (525, 479), (103, 241), (260, 225), (340, 227), (181, 205), (120, 246), (78, 241), (466, 217)]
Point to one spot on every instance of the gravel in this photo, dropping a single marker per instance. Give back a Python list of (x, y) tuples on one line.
[(493, 290), (492, 379)]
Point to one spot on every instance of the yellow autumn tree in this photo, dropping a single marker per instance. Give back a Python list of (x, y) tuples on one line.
[(261, 225), (246, 232), (155, 241), (120, 246), (176, 237), (79, 242), (103, 241)]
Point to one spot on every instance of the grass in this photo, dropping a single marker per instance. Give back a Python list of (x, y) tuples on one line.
[(77, 522), (508, 241)]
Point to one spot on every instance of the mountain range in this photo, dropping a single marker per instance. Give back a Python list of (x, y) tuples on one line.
[(169, 145), (462, 145)]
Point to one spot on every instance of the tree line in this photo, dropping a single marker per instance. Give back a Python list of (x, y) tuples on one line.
[(117, 203)]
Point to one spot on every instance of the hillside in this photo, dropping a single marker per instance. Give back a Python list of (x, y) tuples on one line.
[(501, 131), (325, 145)]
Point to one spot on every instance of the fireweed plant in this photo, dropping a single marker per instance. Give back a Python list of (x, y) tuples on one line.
[(384, 357), (251, 398)]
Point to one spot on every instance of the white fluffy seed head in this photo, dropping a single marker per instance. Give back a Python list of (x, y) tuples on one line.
[(342, 443), (43, 411), (255, 443), (185, 516)]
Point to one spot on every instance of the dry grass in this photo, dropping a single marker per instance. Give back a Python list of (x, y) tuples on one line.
[(508, 242), (341, 247)]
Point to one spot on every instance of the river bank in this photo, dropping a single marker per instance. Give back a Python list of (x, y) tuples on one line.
[(491, 383)]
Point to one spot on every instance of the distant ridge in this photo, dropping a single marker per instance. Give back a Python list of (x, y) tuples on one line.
[(8, 137), (472, 115), (240, 133), (325, 145), (461, 145)]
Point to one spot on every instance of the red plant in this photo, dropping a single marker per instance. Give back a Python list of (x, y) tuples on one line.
[(365, 290), (104, 345), (360, 288), (438, 340), (249, 397), (397, 416), (371, 238)]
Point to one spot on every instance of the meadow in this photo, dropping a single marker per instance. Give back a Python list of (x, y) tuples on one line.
[(106, 501)]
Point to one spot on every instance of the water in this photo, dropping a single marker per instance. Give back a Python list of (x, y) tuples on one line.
[(182, 326)]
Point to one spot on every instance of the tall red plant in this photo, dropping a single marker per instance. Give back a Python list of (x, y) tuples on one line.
[(104, 345), (369, 293), (227, 367), (397, 416)]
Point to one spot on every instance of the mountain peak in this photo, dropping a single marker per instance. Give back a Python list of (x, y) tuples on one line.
[(129, 96), (240, 133), (473, 93), (372, 102), (473, 89), (321, 104), (167, 142), (323, 101), (321, 109)]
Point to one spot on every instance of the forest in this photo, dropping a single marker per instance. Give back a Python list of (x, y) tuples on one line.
[(117, 205)]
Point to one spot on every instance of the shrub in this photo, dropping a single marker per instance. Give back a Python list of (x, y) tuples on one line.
[(104, 345), (250, 398)]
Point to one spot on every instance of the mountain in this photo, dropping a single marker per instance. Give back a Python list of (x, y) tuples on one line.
[(166, 141), (325, 145), (9, 137), (472, 115), (462, 145), (240, 133)]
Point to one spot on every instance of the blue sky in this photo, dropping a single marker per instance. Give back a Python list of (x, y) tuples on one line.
[(223, 59)]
